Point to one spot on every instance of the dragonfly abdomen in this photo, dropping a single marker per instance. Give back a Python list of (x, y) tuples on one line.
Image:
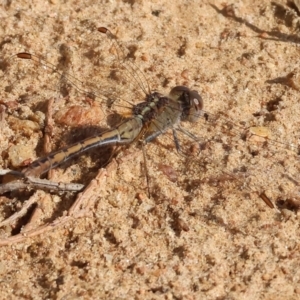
[(125, 133)]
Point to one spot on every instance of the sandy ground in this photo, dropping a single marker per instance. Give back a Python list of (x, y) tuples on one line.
[(204, 233)]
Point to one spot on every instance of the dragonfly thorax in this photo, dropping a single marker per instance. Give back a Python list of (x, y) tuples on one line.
[(153, 106)]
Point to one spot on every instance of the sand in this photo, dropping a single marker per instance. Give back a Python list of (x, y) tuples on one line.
[(204, 233)]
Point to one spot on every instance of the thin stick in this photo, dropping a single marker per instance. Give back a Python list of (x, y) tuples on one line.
[(37, 183), (33, 199)]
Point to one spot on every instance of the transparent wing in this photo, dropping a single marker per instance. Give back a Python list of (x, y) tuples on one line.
[(107, 72), (109, 69)]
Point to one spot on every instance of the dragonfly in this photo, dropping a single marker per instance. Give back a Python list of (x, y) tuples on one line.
[(150, 118)]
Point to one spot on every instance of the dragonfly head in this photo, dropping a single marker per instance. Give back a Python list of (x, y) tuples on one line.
[(190, 100)]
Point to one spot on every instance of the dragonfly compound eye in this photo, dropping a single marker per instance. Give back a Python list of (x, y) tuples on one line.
[(191, 102), (196, 106)]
